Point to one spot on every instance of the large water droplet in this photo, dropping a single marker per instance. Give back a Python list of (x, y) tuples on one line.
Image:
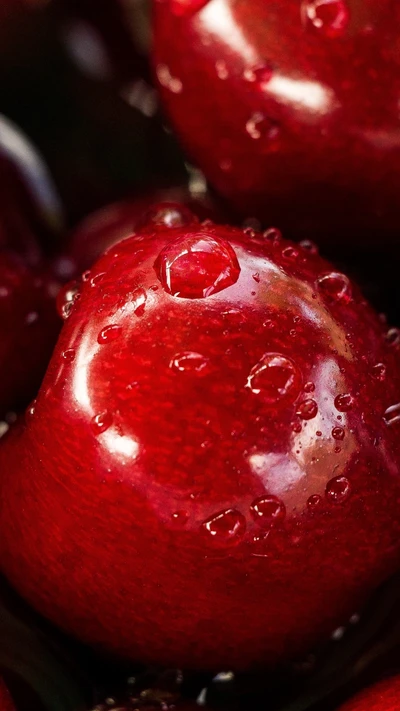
[(260, 126), (331, 17), (109, 334), (275, 378), (267, 510), (190, 362), (338, 489), (392, 414), (185, 8), (101, 422), (197, 266), (307, 409), (335, 286), (344, 402), (225, 528)]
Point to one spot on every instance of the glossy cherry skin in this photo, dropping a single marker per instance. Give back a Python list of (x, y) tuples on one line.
[(6, 703), (295, 99), (382, 697), (172, 207), (215, 448), (29, 326)]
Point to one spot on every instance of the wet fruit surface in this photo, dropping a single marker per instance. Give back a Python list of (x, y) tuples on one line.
[(382, 697), (208, 465), (289, 100), (29, 326)]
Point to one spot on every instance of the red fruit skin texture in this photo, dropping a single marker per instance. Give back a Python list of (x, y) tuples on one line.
[(6, 703), (210, 475), (104, 228), (29, 326), (289, 100), (382, 697)]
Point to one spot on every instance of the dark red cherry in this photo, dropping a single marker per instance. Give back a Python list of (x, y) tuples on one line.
[(29, 326), (173, 207), (6, 703), (291, 100), (382, 697), (210, 475)]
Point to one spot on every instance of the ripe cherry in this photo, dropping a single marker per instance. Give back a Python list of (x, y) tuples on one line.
[(210, 477), (382, 697), (295, 99)]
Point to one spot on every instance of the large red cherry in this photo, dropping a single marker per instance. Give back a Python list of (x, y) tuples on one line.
[(29, 326), (6, 703), (382, 697), (293, 99), (210, 476), (172, 207)]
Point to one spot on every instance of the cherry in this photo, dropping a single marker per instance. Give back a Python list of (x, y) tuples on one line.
[(296, 99), (171, 207), (29, 327), (382, 697), (6, 703), (210, 475)]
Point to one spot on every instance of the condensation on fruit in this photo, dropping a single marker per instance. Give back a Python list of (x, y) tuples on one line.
[(275, 378)]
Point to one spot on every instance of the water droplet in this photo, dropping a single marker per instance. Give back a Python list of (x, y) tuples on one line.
[(109, 334), (97, 279), (273, 235), (256, 277), (221, 69), (259, 74), (267, 510), (180, 518), (314, 501), (234, 316), (309, 387), (290, 253), (69, 355), (338, 489), (167, 214), (190, 362), (309, 246), (307, 409), (344, 402), (139, 298), (225, 528), (101, 422), (379, 372), (392, 414), (197, 266), (275, 378), (260, 126), (86, 275), (338, 433), (331, 17), (335, 286), (186, 8), (393, 336), (66, 299), (168, 81)]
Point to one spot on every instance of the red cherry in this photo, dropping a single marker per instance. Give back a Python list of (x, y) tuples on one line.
[(172, 207), (178, 495), (297, 100), (6, 703), (382, 697), (29, 326)]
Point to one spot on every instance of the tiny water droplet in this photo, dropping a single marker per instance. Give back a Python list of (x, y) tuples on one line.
[(259, 74), (338, 433), (290, 253), (69, 355), (109, 334), (180, 518), (309, 387), (67, 298), (314, 501), (379, 372), (297, 427), (139, 298), (335, 286), (234, 317), (273, 235), (168, 81), (309, 246), (225, 528), (331, 17), (267, 510), (221, 69), (392, 414), (186, 8), (86, 275), (344, 402), (101, 422), (260, 126), (197, 266), (307, 409), (167, 214), (190, 362), (275, 377), (97, 279), (393, 336), (338, 489), (256, 277)]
